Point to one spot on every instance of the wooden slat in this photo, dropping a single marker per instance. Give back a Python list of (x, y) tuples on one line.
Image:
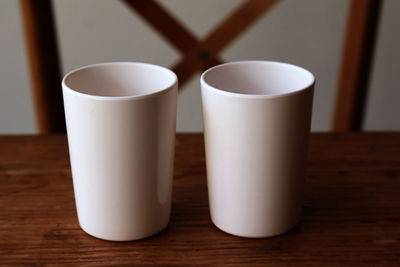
[(164, 23), (199, 55), (44, 65), (192, 63), (236, 23), (177, 35), (356, 64), (185, 69)]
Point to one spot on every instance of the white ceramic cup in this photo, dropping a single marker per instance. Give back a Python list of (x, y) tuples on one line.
[(257, 118), (121, 132)]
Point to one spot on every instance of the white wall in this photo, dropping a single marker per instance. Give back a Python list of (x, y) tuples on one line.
[(304, 32), (16, 110), (383, 109)]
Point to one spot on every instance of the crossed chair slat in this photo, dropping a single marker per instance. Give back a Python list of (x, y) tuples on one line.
[(199, 55)]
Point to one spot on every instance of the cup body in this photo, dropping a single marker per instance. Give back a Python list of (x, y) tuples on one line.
[(257, 118), (121, 131)]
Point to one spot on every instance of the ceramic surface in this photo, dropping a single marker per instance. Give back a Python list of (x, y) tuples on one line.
[(256, 121), (121, 131)]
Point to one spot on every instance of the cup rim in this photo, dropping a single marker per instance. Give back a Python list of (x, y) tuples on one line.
[(119, 98), (204, 84)]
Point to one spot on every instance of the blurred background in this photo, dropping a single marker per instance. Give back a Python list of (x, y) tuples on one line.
[(309, 33)]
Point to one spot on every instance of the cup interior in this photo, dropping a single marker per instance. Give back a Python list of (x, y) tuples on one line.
[(121, 79), (264, 78)]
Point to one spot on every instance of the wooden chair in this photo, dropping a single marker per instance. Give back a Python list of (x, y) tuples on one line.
[(200, 54), (356, 65)]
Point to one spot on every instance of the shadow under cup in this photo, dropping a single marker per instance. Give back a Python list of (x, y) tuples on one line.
[(121, 131), (257, 117)]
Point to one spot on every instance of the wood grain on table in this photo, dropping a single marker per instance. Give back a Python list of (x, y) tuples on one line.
[(351, 213)]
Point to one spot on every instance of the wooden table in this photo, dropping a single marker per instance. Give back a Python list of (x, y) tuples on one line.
[(351, 214)]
